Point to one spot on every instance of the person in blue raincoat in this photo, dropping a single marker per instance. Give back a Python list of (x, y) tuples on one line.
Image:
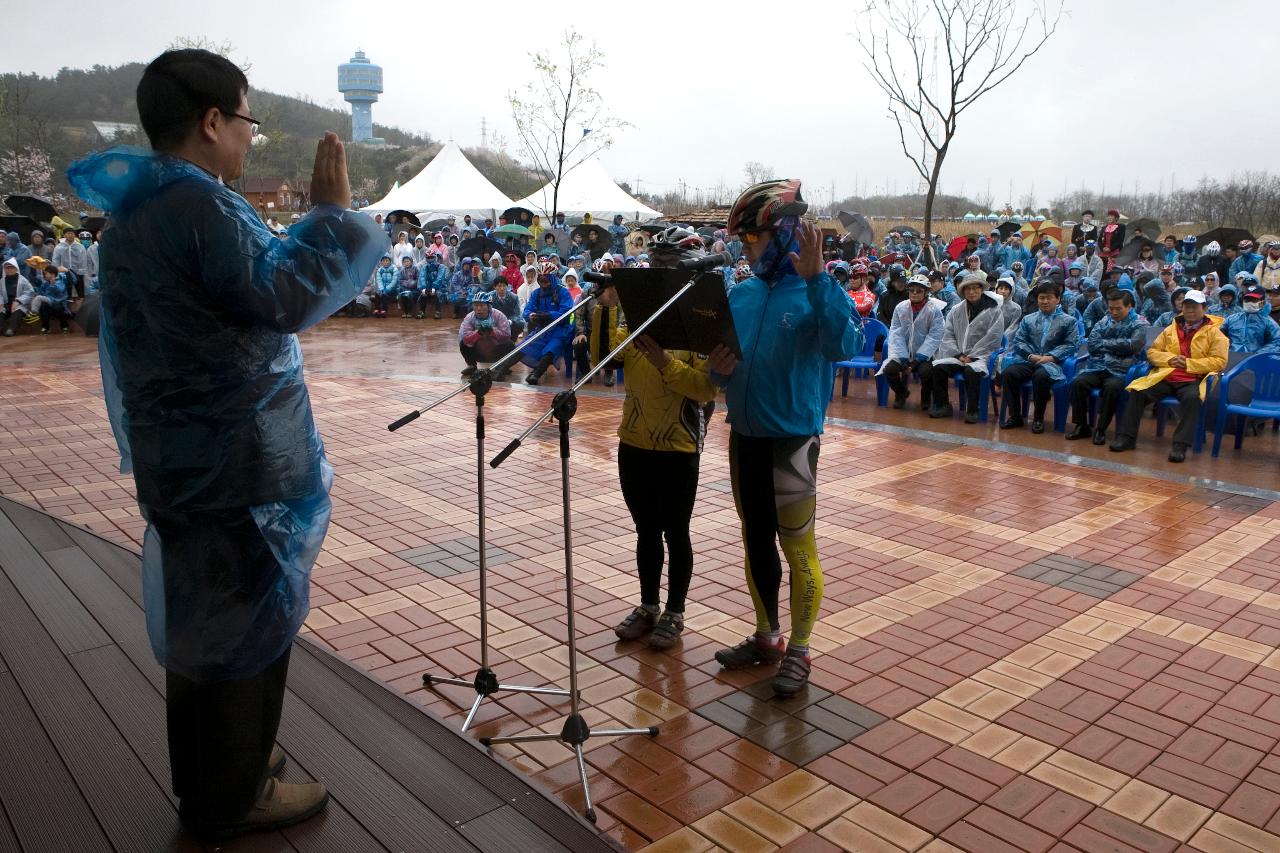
[(1175, 307), (202, 374), (386, 284), (549, 301), (1116, 343), (433, 283), (459, 291), (52, 291), (1252, 330), (1156, 299), (1044, 341), (1227, 300)]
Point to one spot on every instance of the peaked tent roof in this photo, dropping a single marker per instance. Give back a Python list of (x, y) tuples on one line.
[(588, 189), (448, 184)]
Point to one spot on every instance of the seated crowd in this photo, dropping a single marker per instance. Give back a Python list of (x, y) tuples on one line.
[(42, 280), (1153, 330)]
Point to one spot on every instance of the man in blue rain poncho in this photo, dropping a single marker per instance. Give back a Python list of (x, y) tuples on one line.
[(203, 380)]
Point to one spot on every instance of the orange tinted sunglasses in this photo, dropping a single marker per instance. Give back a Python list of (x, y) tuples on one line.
[(752, 237)]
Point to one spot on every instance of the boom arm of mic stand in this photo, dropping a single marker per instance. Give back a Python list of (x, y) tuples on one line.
[(586, 377), (494, 368)]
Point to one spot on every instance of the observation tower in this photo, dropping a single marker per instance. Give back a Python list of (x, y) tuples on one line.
[(360, 82)]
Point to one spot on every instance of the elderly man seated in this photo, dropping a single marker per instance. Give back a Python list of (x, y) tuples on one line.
[(1044, 341), (1115, 342), (972, 332), (1182, 357)]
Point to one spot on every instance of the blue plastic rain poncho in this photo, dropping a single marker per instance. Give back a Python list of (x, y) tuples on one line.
[(551, 301), (16, 249), (202, 375), (1056, 334), (1217, 309), (386, 277), (1156, 300), (1252, 331), (1115, 347)]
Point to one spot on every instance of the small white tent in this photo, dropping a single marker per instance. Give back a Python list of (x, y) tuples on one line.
[(448, 184), (588, 189)]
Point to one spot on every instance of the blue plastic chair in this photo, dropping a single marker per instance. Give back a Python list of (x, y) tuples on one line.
[(1161, 410), (1061, 392), (872, 330), (1135, 370), (1265, 402), (984, 388)]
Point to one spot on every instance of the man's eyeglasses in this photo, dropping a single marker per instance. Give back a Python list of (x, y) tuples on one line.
[(254, 124)]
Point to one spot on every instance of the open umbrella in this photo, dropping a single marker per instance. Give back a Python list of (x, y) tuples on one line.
[(476, 247), (1050, 230), (511, 231), (652, 228), (1129, 253), (435, 225), (858, 226), (37, 207), (1148, 226), (1223, 237), (93, 224), (956, 247), (907, 231), (561, 238), (518, 216), (602, 233), (24, 225), (403, 216), (1007, 228)]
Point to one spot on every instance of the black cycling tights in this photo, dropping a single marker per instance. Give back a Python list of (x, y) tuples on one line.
[(659, 487)]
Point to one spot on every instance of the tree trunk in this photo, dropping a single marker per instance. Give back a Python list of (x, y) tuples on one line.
[(927, 241)]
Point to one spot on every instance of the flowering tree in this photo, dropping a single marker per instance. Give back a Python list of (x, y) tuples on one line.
[(26, 170)]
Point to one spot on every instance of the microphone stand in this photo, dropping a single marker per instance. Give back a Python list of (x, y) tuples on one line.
[(485, 682), (575, 731)]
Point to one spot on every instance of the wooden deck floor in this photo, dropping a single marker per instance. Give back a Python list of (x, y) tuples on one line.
[(83, 761)]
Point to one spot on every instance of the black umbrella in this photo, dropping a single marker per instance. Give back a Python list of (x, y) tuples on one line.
[(707, 232), (1132, 249), (906, 231), (602, 234), (1223, 237), (479, 247), (403, 215), (435, 225), (519, 216), (652, 228), (24, 225), (93, 224), (1148, 226), (858, 226), (87, 314), (1007, 228), (37, 207)]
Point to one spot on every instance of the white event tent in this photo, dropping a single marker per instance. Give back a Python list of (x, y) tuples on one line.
[(448, 184), (588, 189)]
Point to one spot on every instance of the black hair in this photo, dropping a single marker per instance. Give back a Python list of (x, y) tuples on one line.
[(179, 87), (1118, 295), (1088, 213)]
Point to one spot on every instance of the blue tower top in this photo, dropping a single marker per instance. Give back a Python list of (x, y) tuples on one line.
[(360, 81)]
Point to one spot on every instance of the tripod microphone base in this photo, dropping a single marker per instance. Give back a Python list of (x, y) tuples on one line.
[(486, 684), (573, 734)]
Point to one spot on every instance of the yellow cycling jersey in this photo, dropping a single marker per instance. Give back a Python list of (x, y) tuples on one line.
[(664, 409)]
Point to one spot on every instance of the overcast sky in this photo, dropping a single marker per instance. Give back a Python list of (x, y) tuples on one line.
[(1129, 92)]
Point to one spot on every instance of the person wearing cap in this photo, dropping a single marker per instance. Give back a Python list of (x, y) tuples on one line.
[(16, 294), (1094, 268), (1115, 344), (1252, 329), (914, 337), (1273, 302), (972, 332), (1247, 260), (1043, 342), (1088, 292), (484, 335), (1111, 238), (941, 288), (1188, 253), (1182, 357), (1267, 271), (894, 293), (1013, 252), (1084, 230), (1212, 260), (39, 246)]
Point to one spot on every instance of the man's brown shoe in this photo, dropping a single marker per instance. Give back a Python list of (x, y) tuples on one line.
[(275, 763), (280, 804)]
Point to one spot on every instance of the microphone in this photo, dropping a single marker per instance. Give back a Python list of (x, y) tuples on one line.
[(703, 264), (597, 277)]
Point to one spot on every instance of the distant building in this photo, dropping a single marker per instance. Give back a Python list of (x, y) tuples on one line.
[(360, 82), (270, 194), (107, 131)]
